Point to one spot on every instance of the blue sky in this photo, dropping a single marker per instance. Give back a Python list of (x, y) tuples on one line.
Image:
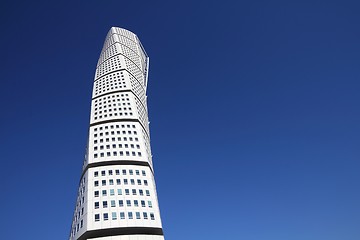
[(254, 111)]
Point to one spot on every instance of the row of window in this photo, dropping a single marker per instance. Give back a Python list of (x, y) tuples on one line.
[(113, 133), (121, 203), (118, 182), (117, 172), (119, 192), (121, 215), (113, 139), (121, 153), (114, 126), (102, 147)]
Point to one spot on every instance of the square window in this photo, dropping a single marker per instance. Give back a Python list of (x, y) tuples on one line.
[(96, 193), (102, 173), (117, 172)]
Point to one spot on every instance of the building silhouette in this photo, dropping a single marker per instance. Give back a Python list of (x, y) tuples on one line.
[(117, 196)]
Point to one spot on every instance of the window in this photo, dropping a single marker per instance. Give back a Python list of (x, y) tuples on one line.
[(133, 191), (139, 182), (125, 181), (105, 204), (128, 203), (132, 181), (102, 173), (106, 216), (113, 203), (118, 181), (103, 182), (152, 216), (145, 215), (119, 192), (96, 174), (136, 203), (147, 193), (111, 182), (142, 203), (117, 172), (96, 205), (113, 215), (124, 171), (131, 172), (143, 173), (110, 171), (137, 215), (97, 217), (141, 192), (150, 204), (121, 203), (122, 215), (145, 182), (137, 172), (96, 183), (96, 193), (130, 215), (112, 192), (127, 192), (104, 192)]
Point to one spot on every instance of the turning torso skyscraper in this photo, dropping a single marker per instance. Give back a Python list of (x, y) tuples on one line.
[(117, 197)]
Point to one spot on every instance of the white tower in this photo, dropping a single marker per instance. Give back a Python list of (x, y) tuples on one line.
[(117, 197)]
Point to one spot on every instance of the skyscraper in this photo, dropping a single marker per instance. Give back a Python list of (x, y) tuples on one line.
[(117, 194)]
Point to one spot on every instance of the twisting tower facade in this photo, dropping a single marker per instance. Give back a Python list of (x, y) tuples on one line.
[(117, 197)]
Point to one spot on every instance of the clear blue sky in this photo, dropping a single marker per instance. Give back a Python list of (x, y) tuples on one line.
[(254, 110)]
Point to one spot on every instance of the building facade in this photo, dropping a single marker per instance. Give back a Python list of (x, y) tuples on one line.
[(117, 197)]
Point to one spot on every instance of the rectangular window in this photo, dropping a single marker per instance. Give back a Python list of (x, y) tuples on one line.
[(96, 193), (136, 203), (97, 217), (130, 215), (137, 172), (110, 172), (142, 203), (119, 192), (96, 174), (96, 183), (147, 193), (103, 182), (102, 173), (150, 204), (141, 192), (137, 215), (121, 203), (112, 192), (118, 181), (111, 182), (113, 215), (145, 215), (127, 192), (113, 203), (96, 205), (105, 204), (131, 172), (139, 182), (104, 192), (122, 215), (143, 173), (106, 216), (128, 203), (124, 171), (117, 172), (133, 191), (145, 182), (132, 181), (152, 216), (125, 181)]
